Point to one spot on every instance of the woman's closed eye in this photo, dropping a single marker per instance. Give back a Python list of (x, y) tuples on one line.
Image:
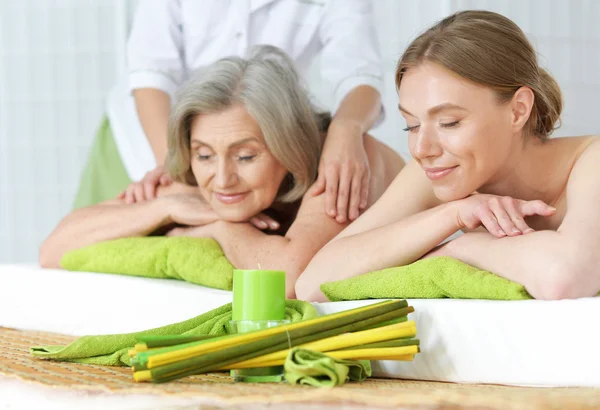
[(203, 157), (246, 158), (449, 124), (411, 128)]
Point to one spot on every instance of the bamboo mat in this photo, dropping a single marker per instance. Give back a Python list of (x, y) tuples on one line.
[(219, 391)]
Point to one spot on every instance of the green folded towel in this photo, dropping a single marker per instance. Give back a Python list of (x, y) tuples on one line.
[(201, 261), (196, 260), (111, 350), (303, 366), (432, 278)]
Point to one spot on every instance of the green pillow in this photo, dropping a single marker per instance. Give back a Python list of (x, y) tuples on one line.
[(432, 278), (196, 260)]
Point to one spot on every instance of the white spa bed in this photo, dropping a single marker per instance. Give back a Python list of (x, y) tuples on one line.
[(527, 343)]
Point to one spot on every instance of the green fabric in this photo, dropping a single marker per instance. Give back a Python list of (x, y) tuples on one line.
[(111, 350), (303, 366), (196, 260), (432, 278), (104, 176)]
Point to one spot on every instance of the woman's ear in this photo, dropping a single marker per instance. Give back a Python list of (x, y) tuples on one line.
[(521, 106)]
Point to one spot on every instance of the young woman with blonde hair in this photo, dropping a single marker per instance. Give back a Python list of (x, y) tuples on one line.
[(479, 112)]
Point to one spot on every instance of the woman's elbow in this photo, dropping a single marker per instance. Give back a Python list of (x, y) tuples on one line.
[(300, 289), (48, 257), (307, 288), (566, 280)]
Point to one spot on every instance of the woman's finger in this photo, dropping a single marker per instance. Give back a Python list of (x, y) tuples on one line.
[(504, 220), (138, 192), (331, 190), (319, 186), (517, 217), (129, 198), (343, 197), (166, 179), (259, 223), (364, 189), (149, 189), (536, 207), (355, 197), (272, 223), (488, 220)]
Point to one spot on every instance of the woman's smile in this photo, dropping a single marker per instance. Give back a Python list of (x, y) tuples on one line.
[(230, 199)]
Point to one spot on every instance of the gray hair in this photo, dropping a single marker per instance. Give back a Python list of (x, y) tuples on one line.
[(269, 87)]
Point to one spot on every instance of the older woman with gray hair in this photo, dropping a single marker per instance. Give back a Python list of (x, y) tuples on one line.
[(245, 138)]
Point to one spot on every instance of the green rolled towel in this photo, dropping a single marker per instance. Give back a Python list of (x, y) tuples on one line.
[(196, 260), (111, 350), (432, 278), (303, 366)]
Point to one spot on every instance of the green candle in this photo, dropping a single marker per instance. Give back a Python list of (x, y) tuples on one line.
[(258, 303), (258, 295)]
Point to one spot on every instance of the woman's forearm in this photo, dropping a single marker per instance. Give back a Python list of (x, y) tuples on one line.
[(87, 226), (153, 109), (548, 263), (361, 106), (395, 244)]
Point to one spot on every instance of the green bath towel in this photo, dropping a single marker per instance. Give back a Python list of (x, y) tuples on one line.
[(196, 260), (432, 278), (111, 350), (201, 261), (304, 366)]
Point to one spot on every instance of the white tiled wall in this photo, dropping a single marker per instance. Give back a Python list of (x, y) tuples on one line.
[(58, 59)]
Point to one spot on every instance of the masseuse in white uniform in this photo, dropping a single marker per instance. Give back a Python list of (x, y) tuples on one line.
[(171, 38)]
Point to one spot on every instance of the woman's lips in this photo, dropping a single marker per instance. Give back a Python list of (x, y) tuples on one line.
[(229, 199), (438, 173)]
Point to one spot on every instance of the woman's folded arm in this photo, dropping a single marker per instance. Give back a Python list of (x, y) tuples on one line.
[(114, 219), (86, 226), (550, 264)]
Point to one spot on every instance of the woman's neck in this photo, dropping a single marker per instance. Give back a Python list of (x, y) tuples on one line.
[(535, 170)]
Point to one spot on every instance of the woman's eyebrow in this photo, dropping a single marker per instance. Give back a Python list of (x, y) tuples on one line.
[(232, 145), (437, 109)]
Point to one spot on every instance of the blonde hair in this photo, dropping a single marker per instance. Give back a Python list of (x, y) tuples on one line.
[(268, 86), (491, 50)]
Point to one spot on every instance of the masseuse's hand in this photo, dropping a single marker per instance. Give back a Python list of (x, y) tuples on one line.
[(147, 188), (344, 172), (500, 215)]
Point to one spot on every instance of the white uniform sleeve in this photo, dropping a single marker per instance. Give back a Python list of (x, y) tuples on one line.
[(155, 47), (350, 55)]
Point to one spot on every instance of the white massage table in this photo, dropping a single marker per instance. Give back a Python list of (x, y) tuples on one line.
[(527, 343)]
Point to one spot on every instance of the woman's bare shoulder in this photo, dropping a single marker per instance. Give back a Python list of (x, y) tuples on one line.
[(385, 165), (586, 150)]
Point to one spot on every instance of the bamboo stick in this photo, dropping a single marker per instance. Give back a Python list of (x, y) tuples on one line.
[(346, 340), (320, 323), (280, 338)]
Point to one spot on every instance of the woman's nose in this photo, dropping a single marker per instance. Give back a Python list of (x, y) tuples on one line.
[(225, 175), (426, 144)]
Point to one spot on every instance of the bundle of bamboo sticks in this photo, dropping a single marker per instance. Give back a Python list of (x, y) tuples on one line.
[(376, 332)]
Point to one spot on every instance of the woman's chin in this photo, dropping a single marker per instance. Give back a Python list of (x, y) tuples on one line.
[(236, 215), (450, 193)]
